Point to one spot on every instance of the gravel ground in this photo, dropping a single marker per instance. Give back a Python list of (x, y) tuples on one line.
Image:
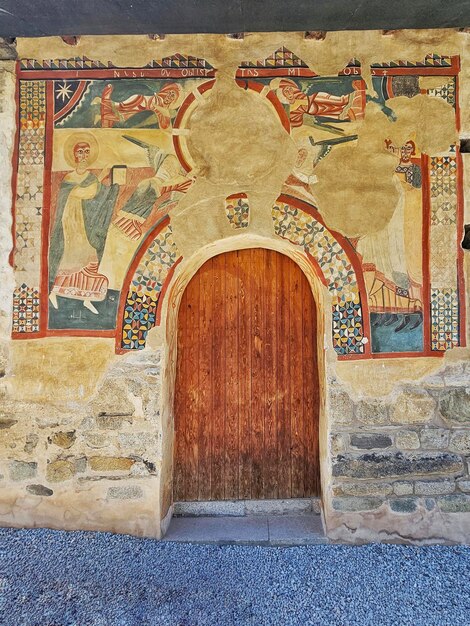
[(55, 578)]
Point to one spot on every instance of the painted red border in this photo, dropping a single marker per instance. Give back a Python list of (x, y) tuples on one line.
[(46, 206), (295, 72), (14, 177), (115, 72), (237, 196), (460, 228), (266, 72), (426, 247), (460, 259), (422, 70)]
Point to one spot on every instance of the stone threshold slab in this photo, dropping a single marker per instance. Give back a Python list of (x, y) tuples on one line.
[(241, 508), (268, 530)]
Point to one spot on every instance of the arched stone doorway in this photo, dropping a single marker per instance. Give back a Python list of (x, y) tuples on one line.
[(247, 395)]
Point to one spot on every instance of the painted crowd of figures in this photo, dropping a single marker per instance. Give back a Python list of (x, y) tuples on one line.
[(100, 221)]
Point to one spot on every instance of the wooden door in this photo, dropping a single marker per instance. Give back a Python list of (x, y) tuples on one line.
[(247, 395)]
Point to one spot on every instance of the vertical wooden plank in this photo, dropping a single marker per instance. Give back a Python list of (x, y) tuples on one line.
[(244, 372), (218, 380), (311, 391), (232, 324), (257, 383), (283, 380), (296, 396), (270, 355), (191, 372), (181, 401), (204, 418), (186, 466)]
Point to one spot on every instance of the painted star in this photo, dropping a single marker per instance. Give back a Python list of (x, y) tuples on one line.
[(64, 91)]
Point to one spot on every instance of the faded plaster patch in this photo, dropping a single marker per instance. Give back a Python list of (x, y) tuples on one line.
[(428, 120), (356, 192), (58, 370), (235, 136), (432, 82)]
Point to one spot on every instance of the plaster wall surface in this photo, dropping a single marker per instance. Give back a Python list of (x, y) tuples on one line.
[(86, 434)]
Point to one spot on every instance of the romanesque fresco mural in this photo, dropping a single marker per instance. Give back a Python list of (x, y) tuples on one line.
[(408, 299), (102, 159)]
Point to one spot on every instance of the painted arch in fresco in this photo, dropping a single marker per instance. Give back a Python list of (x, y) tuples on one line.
[(330, 254)]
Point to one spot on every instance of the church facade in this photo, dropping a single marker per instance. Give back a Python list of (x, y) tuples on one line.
[(233, 271)]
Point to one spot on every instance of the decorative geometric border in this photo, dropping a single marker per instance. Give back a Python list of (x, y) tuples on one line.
[(176, 61), (28, 206), (25, 310), (443, 191), (430, 60), (444, 318), (146, 285), (323, 248), (286, 63), (237, 210)]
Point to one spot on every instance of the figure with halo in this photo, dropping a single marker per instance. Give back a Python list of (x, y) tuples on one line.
[(83, 213)]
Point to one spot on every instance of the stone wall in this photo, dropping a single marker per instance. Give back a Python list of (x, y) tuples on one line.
[(406, 453), (86, 432)]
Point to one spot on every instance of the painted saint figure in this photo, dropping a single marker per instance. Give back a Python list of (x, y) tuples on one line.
[(392, 257), (303, 107), (160, 104), (406, 166), (84, 210)]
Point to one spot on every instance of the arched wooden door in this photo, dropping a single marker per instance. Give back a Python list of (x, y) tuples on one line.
[(247, 394)]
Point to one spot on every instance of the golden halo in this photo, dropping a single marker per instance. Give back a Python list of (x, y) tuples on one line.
[(72, 141)]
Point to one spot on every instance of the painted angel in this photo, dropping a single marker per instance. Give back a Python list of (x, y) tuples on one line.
[(305, 107), (159, 104)]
